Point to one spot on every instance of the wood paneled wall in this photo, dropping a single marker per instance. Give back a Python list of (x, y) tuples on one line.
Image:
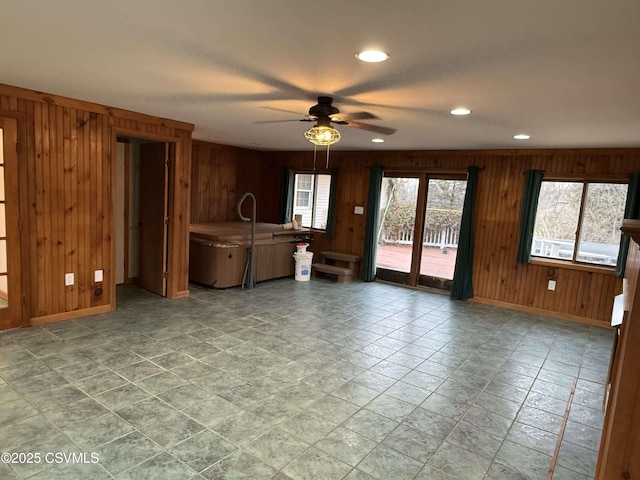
[(66, 181), (66, 184), (580, 295), (219, 176)]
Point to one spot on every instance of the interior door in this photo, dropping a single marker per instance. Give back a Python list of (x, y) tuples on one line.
[(10, 279), (154, 190), (120, 214)]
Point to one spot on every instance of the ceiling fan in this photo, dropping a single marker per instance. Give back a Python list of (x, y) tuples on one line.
[(324, 113)]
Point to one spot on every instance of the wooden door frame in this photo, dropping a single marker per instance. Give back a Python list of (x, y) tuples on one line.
[(127, 213), (23, 215), (418, 230), (173, 290), (126, 181)]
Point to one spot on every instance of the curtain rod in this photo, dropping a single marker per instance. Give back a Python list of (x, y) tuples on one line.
[(429, 170)]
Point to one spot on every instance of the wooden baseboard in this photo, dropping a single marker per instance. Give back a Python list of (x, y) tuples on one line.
[(538, 311), (180, 294), (58, 317)]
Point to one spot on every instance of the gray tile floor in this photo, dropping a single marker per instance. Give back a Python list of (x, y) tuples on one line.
[(302, 380)]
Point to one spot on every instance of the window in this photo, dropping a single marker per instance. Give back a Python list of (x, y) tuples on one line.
[(304, 190), (311, 199), (588, 214)]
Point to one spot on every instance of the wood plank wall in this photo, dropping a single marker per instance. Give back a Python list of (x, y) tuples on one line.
[(580, 295), (219, 176), (66, 179)]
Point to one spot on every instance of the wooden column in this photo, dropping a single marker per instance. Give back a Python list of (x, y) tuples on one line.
[(619, 456)]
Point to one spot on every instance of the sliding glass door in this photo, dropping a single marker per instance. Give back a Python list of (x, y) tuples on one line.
[(419, 227)]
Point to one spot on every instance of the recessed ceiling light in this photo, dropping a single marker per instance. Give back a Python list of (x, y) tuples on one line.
[(372, 56), (377, 140), (522, 136), (460, 111)]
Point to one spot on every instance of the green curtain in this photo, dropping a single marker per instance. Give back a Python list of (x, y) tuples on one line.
[(631, 211), (462, 285), (286, 197), (330, 231), (532, 184), (368, 265)]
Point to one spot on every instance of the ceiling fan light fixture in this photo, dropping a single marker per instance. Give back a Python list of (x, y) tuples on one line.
[(372, 56), (320, 135), (460, 111)]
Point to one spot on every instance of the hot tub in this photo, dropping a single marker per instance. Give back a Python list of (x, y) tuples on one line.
[(218, 252)]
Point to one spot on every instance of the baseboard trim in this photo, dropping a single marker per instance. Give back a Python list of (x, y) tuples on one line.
[(59, 317), (539, 311)]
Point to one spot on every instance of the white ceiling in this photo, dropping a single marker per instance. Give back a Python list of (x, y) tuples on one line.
[(567, 72)]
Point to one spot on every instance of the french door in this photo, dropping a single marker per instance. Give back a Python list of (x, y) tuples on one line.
[(419, 228), (10, 275)]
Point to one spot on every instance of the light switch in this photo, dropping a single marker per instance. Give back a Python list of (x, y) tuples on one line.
[(98, 276), (358, 210), (552, 285), (69, 279)]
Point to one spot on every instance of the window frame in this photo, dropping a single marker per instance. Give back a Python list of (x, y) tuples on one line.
[(574, 263), (313, 195)]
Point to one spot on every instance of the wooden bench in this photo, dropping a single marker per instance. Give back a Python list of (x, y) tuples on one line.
[(343, 275), (342, 265)]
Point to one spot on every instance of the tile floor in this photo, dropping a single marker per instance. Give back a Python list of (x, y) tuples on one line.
[(302, 380)]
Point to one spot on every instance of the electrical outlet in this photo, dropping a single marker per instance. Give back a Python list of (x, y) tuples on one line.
[(552, 285), (69, 279), (358, 210), (98, 276)]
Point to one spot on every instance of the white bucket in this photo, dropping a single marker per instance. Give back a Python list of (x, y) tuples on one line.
[(303, 266), (302, 247)]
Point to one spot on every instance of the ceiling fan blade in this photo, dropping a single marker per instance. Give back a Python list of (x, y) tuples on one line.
[(285, 111), (353, 116), (277, 121), (214, 97), (371, 128)]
